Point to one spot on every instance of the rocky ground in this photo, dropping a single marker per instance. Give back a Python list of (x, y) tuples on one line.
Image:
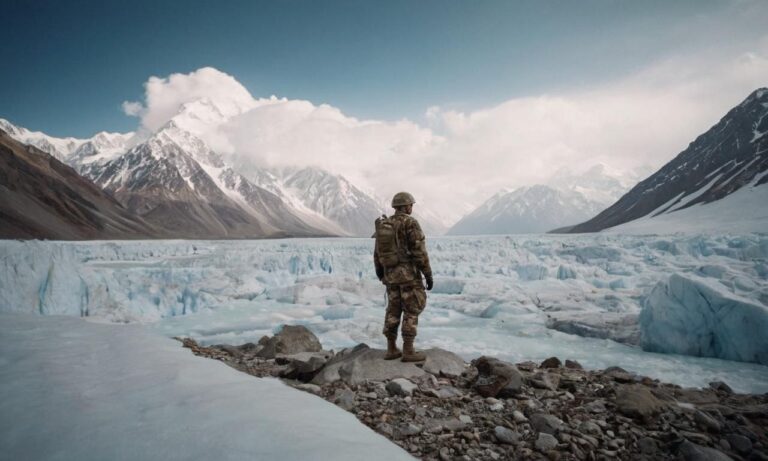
[(447, 409)]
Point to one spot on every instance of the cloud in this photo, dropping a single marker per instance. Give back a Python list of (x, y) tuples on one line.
[(458, 159), (132, 108)]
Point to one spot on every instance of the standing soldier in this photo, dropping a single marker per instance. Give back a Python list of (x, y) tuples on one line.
[(400, 257)]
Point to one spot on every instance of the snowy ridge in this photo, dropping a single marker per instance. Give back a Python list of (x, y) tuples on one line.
[(718, 164), (568, 198)]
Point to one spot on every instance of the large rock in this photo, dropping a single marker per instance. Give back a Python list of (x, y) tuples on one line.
[(496, 377), (290, 340), (546, 423), (304, 365), (443, 363), (362, 363), (637, 401), (692, 452)]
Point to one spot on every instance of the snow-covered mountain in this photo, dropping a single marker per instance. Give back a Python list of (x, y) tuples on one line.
[(175, 179), (538, 208), (41, 197), (729, 157), (566, 199)]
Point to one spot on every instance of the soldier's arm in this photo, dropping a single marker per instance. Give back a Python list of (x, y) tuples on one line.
[(418, 248)]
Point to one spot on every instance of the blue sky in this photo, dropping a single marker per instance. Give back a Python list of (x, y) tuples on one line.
[(68, 66)]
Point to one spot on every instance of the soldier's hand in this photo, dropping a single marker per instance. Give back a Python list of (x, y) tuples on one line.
[(430, 282)]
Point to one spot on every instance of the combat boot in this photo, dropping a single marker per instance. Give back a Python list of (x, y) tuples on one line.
[(409, 353), (392, 351)]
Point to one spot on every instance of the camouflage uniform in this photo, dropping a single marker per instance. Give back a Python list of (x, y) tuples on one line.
[(406, 296)]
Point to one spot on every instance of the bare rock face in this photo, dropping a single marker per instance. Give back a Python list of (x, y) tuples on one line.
[(443, 363), (290, 340), (496, 377)]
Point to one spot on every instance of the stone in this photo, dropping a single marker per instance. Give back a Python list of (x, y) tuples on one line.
[(573, 365), (345, 399), (544, 380), (721, 387), (231, 350), (546, 423), (449, 424), (506, 435), (552, 362), (545, 442), (496, 378), (498, 406), (589, 427), (401, 387), (405, 430), (466, 419), (361, 363), (739, 443), (636, 401), (647, 445), (304, 365), (707, 422), (311, 388), (692, 452), (519, 417), (445, 392), (290, 340), (596, 406), (440, 362)]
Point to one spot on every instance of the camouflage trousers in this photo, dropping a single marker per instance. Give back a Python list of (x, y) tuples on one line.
[(406, 300)]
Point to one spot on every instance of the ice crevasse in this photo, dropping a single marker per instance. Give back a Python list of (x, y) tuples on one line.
[(691, 315)]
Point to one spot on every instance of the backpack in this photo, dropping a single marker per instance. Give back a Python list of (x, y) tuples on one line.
[(387, 243)]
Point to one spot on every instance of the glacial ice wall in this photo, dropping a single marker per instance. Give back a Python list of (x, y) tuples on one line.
[(692, 315)]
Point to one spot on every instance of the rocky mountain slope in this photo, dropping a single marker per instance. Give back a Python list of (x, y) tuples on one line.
[(730, 156), (43, 198)]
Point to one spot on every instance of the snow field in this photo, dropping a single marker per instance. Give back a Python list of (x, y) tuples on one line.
[(492, 295), (75, 390)]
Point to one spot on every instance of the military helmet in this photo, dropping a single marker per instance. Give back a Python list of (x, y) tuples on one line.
[(402, 199)]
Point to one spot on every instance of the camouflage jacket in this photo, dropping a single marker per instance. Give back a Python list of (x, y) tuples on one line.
[(414, 257)]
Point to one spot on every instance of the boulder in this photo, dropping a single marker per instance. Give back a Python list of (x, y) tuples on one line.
[(354, 366), (545, 442), (401, 387), (445, 392), (443, 363), (506, 435), (496, 378), (692, 452), (290, 340), (636, 401), (552, 362), (304, 365), (573, 365), (544, 380), (739, 443), (546, 423)]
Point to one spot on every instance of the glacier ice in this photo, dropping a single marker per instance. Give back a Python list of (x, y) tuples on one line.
[(493, 295), (86, 391), (691, 315)]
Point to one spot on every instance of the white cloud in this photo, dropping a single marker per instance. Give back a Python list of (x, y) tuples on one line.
[(132, 108), (461, 158)]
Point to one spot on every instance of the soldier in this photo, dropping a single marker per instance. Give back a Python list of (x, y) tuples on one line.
[(400, 257)]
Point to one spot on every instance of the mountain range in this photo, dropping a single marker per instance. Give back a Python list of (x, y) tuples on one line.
[(566, 199), (729, 158)]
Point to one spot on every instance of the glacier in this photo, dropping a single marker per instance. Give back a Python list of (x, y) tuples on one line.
[(80, 390), (493, 295)]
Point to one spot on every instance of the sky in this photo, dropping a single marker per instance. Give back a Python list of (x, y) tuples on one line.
[(395, 95)]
